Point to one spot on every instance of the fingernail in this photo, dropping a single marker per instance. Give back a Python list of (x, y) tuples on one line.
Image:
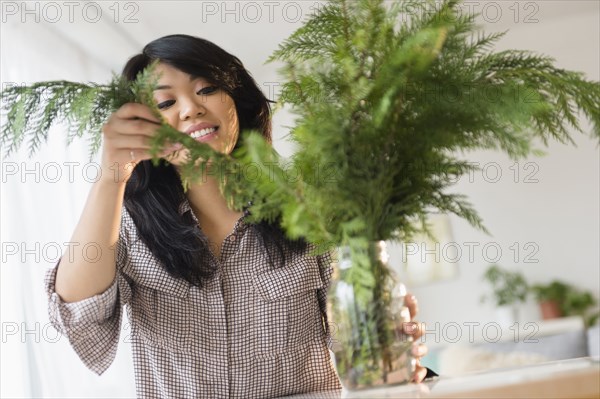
[(410, 328)]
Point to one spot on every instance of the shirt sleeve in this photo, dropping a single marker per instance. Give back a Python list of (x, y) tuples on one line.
[(92, 325), (325, 270)]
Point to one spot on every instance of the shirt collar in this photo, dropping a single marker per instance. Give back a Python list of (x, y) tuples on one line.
[(185, 207)]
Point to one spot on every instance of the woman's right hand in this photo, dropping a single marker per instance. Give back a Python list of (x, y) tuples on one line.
[(126, 141)]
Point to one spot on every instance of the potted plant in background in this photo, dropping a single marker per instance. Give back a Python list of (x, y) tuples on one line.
[(559, 299), (376, 147), (549, 297), (509, 289)]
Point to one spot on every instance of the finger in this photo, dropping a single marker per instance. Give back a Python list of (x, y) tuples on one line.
[(136, 155), (132, 141), (174, 154), (135, 110), (174, 151), (419, 350), (169, 148), (116, 128), (420, 373), (136, 127), (414, 329), (410, 301)]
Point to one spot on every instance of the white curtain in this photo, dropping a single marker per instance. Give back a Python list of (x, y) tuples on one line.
[(41, 199)]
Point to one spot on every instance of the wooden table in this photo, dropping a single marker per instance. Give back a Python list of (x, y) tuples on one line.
[(572, 379)]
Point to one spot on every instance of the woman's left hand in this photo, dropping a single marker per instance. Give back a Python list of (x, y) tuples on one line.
[(415, 329)]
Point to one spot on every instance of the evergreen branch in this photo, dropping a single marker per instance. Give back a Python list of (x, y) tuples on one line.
[(316, 38), (32, 110), (388, 109)]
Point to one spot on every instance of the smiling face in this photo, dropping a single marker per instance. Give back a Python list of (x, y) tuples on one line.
[(198, 108)]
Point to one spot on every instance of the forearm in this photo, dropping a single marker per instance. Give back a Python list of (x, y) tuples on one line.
[(88, 267)]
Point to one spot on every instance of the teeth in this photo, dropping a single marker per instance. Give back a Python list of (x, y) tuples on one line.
[(202, 132)]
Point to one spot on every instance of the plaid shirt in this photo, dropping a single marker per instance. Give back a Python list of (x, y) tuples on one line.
[(251, 332)]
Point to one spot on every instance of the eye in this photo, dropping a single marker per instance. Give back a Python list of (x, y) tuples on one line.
[(208, 90), (165, 104)]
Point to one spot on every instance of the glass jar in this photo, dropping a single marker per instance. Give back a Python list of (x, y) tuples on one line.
[(366, 310)]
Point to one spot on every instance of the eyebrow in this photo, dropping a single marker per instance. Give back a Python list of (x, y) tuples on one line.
[(192, 78)]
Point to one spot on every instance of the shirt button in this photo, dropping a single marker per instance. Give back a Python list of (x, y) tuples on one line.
[(232, 238)]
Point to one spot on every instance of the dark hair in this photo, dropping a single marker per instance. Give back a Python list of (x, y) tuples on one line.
[(154, 194)]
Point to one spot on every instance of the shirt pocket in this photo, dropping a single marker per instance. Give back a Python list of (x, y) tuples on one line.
[(161, 311), (286, 308)]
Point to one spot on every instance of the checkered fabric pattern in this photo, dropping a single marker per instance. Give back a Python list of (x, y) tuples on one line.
[(251, 332)]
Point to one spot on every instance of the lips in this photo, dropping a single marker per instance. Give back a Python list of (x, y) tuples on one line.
[(203, 132), (199, 126)]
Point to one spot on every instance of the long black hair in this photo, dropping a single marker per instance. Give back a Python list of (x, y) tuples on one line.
[(154, 194)]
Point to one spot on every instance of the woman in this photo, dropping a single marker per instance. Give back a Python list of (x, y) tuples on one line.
[(219, 307)]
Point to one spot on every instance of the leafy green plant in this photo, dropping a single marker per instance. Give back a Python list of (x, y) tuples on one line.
[(554, 291), (508, 287), (571, 300)]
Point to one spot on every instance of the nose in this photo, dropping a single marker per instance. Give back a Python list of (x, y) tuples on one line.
[(190, 109)]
